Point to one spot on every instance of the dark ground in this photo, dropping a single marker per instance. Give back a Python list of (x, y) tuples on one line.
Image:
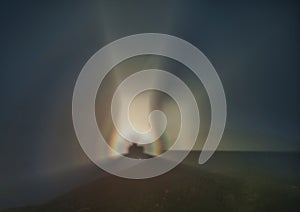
[(254, 182)]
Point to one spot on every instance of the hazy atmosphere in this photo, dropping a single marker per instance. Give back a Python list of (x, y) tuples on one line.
[(254, 48)]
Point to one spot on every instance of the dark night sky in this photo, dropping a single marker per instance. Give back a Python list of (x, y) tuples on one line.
[(254, 48)]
